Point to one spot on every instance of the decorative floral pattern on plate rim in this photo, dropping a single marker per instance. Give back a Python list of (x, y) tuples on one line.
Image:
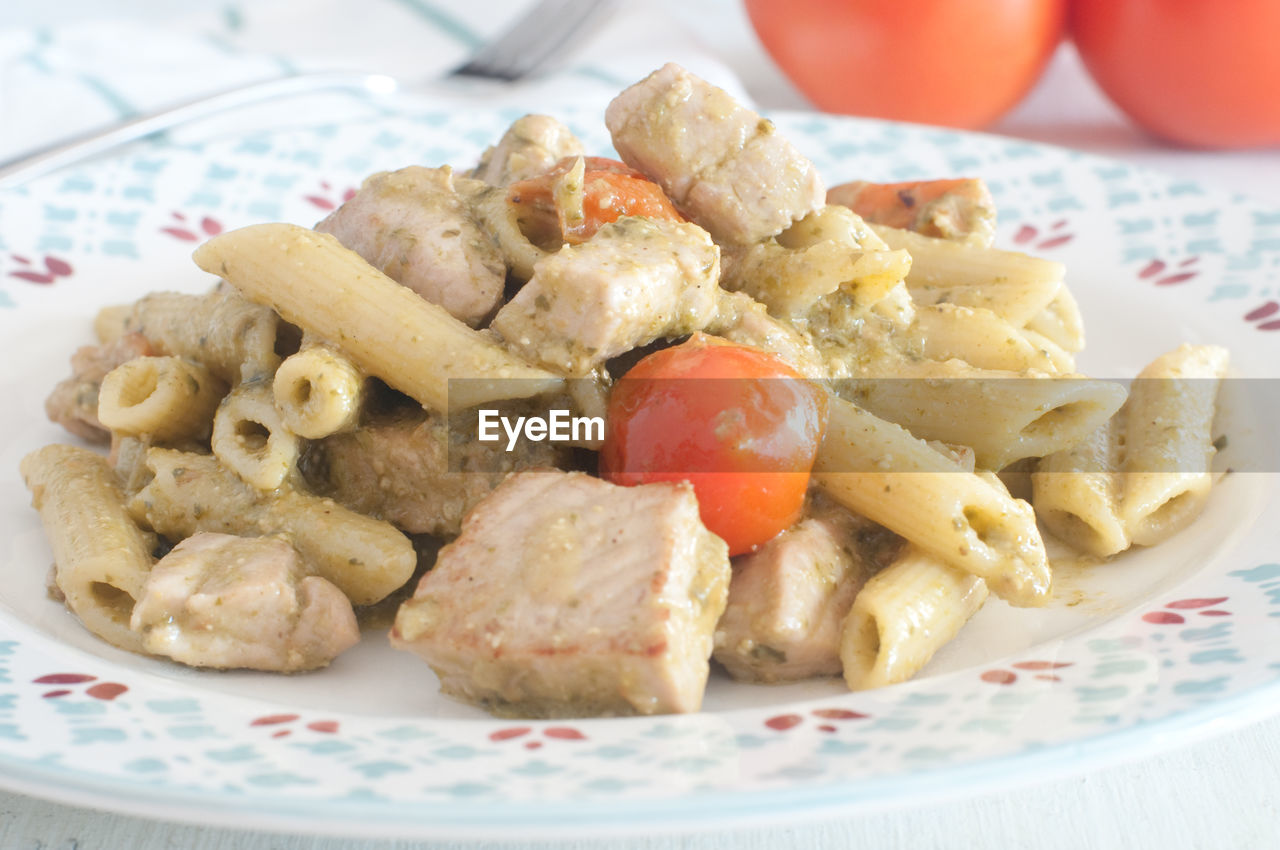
[(78, 725)]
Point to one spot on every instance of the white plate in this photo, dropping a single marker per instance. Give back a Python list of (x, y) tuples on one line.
[(1179, 639)]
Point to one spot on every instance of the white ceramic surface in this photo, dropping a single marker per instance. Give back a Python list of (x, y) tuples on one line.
[(1176, 639)]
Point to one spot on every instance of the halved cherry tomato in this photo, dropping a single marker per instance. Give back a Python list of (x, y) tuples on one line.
[(610, 190), (736, 422)]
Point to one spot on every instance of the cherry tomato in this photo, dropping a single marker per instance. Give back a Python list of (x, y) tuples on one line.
[(1198, 72), (738, 423), (961, 63), (610, 190)]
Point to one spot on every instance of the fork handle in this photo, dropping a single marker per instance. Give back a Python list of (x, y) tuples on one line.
[(52, 157)]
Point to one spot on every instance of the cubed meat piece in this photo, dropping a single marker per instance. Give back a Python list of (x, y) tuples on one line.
[(413, 226), (222, 601), (723, 165), (73, 403), (788, 599), (636, 280), (958, 209), (569, 596), (399, 469), (529, 147)]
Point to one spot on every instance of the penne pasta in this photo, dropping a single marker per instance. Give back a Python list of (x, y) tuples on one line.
[(880, 471), (1060, 322), (251, 439), (112, 322), (366, 558), (501, 219), (168, 399), (1025, 285), (386, 329), (829, 249), (101, 557), (1169, 442), (318, 391), (1076, 492), (902, 616), (983, 339), (231, 337), (1003, 416)]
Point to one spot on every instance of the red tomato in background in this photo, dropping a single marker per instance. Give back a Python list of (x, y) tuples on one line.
[(1199, 72), (961, 63), (736, 422)]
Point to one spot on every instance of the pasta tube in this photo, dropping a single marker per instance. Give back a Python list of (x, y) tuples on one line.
[(902, 616), (318, 391), (366, 558), (981, 338), (166, 398), (101, 556), (882, 472), (251, 439), (946, 262), (500, 218), (1076, 492), (112, 322), (1169, 441), (829, 249), (386, 329), (1060, 322), (1003, 416), (233, 338), (1017, 286)]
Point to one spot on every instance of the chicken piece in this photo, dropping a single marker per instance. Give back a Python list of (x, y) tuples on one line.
[(529, 147), (415, 471), (413, 226), (73, 403), (569, 596), (788, 599), (222, 601), (636, 280), (723, 165), (961, 210)]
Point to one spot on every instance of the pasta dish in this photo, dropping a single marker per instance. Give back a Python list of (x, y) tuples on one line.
[(586, 427)]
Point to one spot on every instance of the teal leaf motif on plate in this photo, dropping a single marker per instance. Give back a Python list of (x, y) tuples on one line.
[(279, 780), (537, 767), (837, 747), (1119, 667), (1103, 694), (1201, 686), (242, 753), (1211, 633), (97, 735), (1262, 572), (1229, 655), (145, 765), (378, 769)]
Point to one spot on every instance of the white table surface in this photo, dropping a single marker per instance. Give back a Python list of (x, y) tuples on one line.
[(1218, 792)]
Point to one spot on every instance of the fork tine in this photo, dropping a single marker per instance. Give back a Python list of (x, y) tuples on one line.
[(537, 40)]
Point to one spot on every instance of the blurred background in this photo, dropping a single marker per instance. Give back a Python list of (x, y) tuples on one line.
[(1001, 66)]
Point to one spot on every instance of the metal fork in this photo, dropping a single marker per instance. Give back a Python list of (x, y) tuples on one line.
[(535, 43)]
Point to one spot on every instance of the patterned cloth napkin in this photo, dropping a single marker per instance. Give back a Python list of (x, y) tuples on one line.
[(75, 65)]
